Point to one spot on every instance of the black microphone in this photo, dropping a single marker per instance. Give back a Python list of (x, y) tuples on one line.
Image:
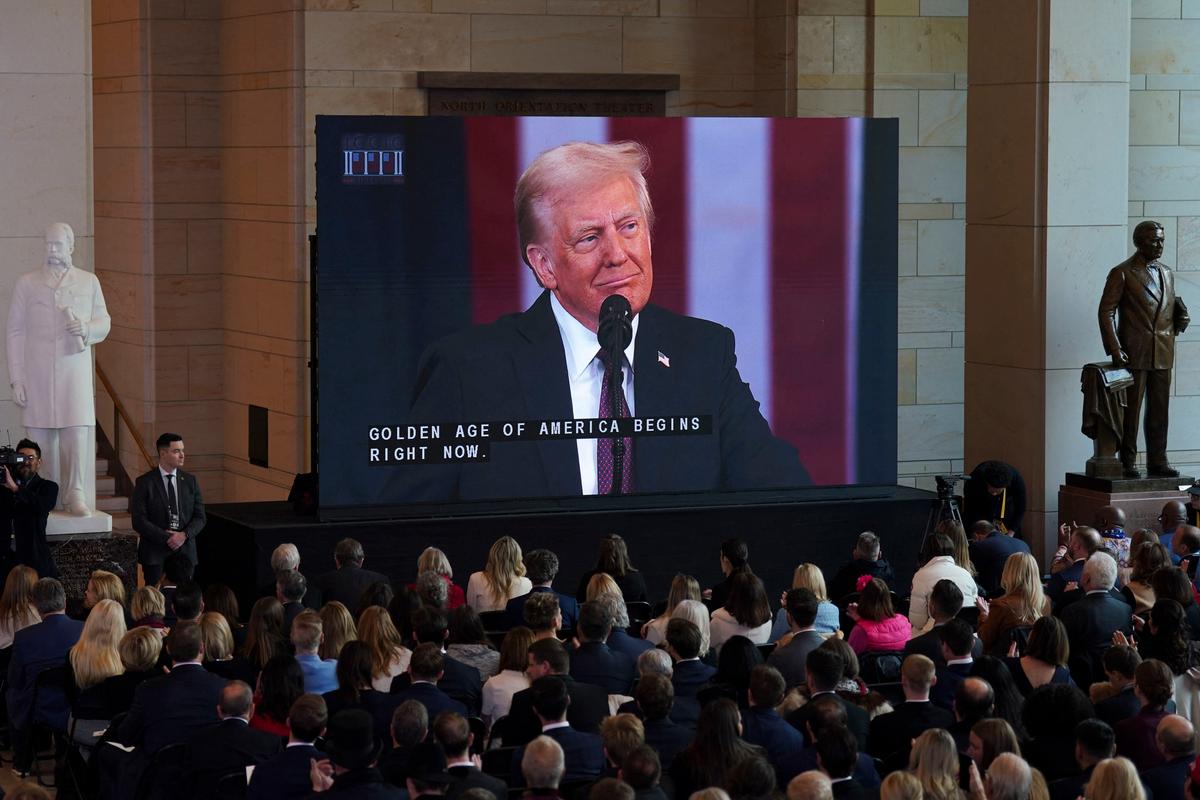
[(616, 323)]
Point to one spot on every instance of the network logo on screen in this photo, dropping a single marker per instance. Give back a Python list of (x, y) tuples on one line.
[(372, 158)]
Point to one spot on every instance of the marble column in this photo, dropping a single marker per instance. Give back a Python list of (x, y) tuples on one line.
[(1047, 192)]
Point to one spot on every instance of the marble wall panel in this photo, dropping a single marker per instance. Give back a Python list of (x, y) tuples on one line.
[(906, 377), (1154, 118), (814, 45), (1001, 286), (1079, 259), (908, 44), (1188, 243), (1080, 52), (117, 120), (930, 304), (831, 103), (1163, 173), (1076, 192), (1189, 118), (942, 118), (926, 432), (48, 37), (395, 41), (941, 247), (1165, 46), (932, 174), (687, 45), (902, 105), (906, 235), (554, 44), (850, 45), (187, 302), (1151, 9), (940, 375), (1001, 173)]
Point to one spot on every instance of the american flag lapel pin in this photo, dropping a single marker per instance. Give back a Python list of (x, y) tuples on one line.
[(662, 359)]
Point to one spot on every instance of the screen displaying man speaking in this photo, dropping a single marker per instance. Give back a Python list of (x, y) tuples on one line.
[(464, 264)]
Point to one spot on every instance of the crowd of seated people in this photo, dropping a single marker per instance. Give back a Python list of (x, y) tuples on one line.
[(1000, 685)]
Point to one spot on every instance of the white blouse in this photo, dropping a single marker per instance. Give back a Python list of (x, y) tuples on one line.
[(498, 693), (479, 592), (723, 627)]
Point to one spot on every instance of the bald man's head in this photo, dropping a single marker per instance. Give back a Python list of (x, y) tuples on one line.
[(1084, 542), (1187, 540), (1109, 517), (1176, 737), (236, 700), (811, 785), (1174, 514)]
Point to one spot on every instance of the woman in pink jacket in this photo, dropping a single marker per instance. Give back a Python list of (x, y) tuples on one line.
[(877, 626)]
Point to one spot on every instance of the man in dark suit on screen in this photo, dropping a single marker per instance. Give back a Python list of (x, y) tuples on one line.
[(584, 218), (168, 511), (1140, 316)]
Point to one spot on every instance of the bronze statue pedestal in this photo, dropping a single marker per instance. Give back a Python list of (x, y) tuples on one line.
[(1141, 499)]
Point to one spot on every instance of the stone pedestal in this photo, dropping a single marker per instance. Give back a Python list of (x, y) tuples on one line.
[(76, 557), (1141, 500), (62, 524)]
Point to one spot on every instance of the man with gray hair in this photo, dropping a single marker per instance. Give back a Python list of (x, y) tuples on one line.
[(285, 556), (1008, 778), (1091, 620), (230, 745), (543, 765), (1176, 740), (866, 559), (36, 648), (584, 218)]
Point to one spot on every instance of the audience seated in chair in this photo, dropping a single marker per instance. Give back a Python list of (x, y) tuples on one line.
[(939, 564), (974, 700), (452, 732), (408, 727), (227, 746), (990, 550), (1115, 700), (945, 603), (800, 607), (958, 640), (825, 667), (619, 639), (613, 560), (1091, 620), (353, 752), (589, 703), (593, 661), (891, 733), (1136, 736), (866, 559), (583, 753), (541, 568), (459, 681), (348, 581), (320, 674), (425, 670), (1176, 739), (285, 776), (542, 768)]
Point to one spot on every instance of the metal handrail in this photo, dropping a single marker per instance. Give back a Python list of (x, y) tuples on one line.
[(123, 415)]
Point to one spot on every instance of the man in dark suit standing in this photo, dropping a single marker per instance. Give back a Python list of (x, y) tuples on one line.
[(168, 511), (425, 670), (541, 567), (583, 753), (893, 733), (1092, 620), (346, 583), (454, 735), (36, 648), (990, 550), (286, 775), (594, 661), (589, 704), (228, 746), (1140, 316), (584, 218), (25, 504)]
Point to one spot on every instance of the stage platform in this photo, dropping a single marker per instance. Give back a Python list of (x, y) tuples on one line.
[(236, 545)]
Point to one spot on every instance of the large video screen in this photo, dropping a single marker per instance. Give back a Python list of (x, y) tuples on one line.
[(461, 265)]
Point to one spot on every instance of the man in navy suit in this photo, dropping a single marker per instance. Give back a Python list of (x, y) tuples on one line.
[(1094, 742), (583, 753), (584, 217), (893, 733), (990, 550), (425, 670), (459, 681), (1091, 620), (229, 745), (1120, 663), (945, 603), (957, 642), (825, 713), (541, 567), (286, 776), (168, 511), (1177, 742), (1067, 566), (346, 583), (594, 661), (589, 704), (454, 735), (690, 673), (761, 723), (655, 698), (36, 648), (824, 667)]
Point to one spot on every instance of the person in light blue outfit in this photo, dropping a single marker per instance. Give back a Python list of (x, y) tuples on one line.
[(319, 674), (808, 576)]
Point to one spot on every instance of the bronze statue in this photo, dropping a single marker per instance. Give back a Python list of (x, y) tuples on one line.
[(1140, 317)]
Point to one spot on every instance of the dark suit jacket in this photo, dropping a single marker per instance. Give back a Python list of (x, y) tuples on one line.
[(515, 368), (596, 663), (668, 739), (929, 644), (569, 606), (1090, 623), (805, 758), (583, 755), (589, 706), (290, 612), (285, 775), (36, 648), (632, 585), (1121, 706), (345, 585), (434, 699), (765, 728), (461, 682), (1166, 781), (1135, 738), (689, 676), (989, 556), (364, 784), (169, 709), (846, 580), (621, 642), (464, 778), (380, 705), (151, 515), (217, 750), (1070, 787), (850, 790), (24, 513), (948, 679), (1139, 318), (791, 660), (892, 733), (858, 721), (1057, 585)]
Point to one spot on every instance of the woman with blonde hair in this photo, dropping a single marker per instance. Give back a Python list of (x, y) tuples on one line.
[(695, 612), (502, 578), (92, 660), (601, 583), (139, 649), (264, 633), (148, 608), (683, 587), (16, 604), (219, 649), (934, 761), (103, 585), (613, 560), (389, 656), (1022, 604), (338, 627), (1114, 779), (434, 560), (828, 621)]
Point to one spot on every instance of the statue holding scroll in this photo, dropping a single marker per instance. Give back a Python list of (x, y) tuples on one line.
[(1140, 316), (57, 313)]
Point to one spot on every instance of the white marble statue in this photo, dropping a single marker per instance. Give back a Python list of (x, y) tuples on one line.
[(57, 313)]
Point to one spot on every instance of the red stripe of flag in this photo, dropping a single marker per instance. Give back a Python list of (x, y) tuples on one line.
[(667, 181), (808, 298), (491, 222)]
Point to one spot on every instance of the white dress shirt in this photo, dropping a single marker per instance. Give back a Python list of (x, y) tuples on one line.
[(585, 375)]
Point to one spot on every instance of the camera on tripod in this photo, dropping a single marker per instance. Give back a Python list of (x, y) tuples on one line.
[(947, 483), (11, 458)]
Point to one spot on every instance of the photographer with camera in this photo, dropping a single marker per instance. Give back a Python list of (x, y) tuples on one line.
[(996, 494), (26, 500)]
